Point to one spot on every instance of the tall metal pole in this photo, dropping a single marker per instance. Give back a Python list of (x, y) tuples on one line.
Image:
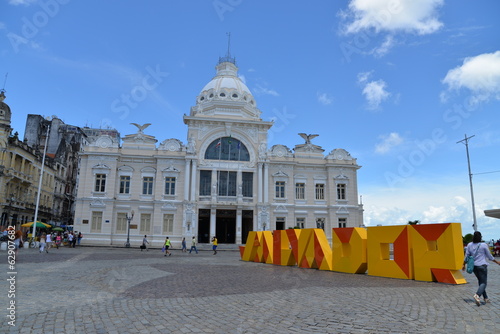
[(466, 142), (40, 183)]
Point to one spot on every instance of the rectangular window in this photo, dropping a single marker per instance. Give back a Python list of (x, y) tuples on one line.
[(247, 179), (168, 223), (96, 224), (280, 189), (300, 190), (124, 185), (342, 222), (226, 183), (320, 191), (100, 183), (147, 185), (205, 182), (170, 186), (300, 222), (121, 223), (145, 223), (341, 191)]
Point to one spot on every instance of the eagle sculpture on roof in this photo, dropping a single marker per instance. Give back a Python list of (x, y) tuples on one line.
[(307, 137), (141, 127)]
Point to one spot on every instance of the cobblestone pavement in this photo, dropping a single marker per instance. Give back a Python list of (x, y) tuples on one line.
[(118, 290)]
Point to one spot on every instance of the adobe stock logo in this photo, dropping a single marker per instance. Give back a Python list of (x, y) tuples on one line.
[(138, 93), (31, 28)]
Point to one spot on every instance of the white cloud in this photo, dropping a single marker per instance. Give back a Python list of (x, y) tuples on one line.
[(420, 17), (383, 49), (259, 90), (364, 76), (324, 98), (21, 2), (375, 93), (433, 202), (479, 74), (388, 143)]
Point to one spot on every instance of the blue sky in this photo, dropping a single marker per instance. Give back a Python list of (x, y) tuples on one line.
[(396, 83)]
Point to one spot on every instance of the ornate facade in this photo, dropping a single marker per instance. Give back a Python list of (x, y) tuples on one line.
[(224, 180)]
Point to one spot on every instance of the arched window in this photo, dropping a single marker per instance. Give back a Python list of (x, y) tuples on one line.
[(227, 148)]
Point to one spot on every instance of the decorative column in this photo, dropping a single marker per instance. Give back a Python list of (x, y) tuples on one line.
[(259, 182), (239, 185), (193, 181), (187, 173), (266, 183), (213, 213), (238, 226), (213, 186)]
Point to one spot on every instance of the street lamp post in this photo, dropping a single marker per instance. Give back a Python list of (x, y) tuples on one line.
[(129, 218)]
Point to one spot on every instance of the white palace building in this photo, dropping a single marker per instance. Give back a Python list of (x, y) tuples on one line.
[(225, 181)]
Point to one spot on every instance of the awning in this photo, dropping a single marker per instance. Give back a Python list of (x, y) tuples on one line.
[(494, 213)]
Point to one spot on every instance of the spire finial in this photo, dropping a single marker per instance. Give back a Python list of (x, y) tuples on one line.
[(2, 91), (227, 57)]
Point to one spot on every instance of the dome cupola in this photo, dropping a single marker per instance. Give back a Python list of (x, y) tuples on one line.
[(226, 95)]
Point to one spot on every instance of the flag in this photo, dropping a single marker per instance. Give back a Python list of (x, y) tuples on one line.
[(218, 144)]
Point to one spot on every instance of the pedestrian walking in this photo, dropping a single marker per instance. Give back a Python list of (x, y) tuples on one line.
[(214, 244), (18, 241), (43, 237), (48, 242), (70, 239), (167, 246), (80, 236), (73, 241), (144, 242), (183, 244), (481, 253), (58, 240), (193, 246)]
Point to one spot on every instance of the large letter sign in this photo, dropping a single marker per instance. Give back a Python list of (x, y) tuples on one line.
[(431, 252), (349, 250)]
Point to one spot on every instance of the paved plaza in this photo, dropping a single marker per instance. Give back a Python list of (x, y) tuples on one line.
[(118, 290)]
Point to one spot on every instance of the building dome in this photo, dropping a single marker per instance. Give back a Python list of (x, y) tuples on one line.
[(227, 92)]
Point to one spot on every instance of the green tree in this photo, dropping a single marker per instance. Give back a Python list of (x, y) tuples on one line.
[(415, 222), (467, 238)]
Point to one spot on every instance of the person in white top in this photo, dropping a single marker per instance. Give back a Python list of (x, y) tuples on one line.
[(48, 242), (42, 242), (70, 239), (481, 253)]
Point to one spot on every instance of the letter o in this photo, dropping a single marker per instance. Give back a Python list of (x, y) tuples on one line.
[(139, 93), (44, 19)]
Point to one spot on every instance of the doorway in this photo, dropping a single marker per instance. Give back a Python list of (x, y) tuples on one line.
[(246, 224), (225, 229), (204, 226)]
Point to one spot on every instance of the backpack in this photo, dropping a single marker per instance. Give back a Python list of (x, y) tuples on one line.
[(470, 261)]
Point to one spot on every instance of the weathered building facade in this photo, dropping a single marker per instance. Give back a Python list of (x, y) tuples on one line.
[(20, 171), (223, 181)]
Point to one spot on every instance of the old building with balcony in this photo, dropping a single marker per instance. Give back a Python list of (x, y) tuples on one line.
[(20, 167)]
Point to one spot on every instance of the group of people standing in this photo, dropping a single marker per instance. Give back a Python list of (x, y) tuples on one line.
[(168, 244), (46, 240)]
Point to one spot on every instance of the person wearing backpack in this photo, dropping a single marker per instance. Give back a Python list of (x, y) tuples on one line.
[(481, 253)]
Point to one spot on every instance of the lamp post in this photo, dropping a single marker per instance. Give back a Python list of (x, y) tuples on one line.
[(129, 218)]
